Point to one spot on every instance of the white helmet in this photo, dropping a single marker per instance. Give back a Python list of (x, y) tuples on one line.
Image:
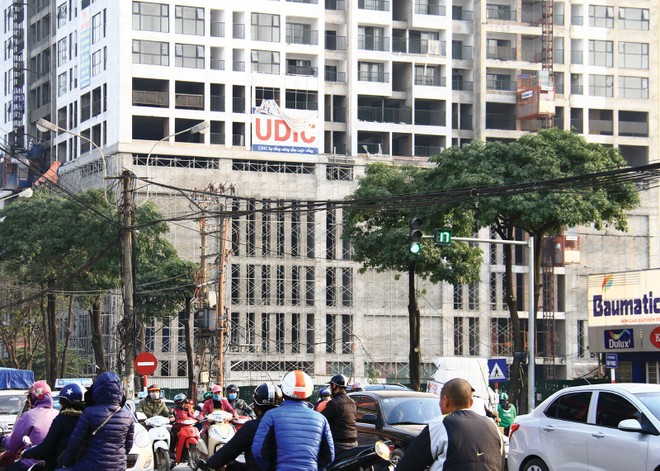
[(297, 385)]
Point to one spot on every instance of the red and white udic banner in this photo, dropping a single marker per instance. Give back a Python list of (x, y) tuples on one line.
[(276, 133)]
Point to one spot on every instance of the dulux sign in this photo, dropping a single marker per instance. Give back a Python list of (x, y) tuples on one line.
[(619, 339)]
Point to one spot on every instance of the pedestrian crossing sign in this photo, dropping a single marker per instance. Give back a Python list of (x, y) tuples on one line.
[(497, 370)]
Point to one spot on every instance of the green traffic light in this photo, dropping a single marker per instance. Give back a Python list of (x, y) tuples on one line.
[(415, 247)]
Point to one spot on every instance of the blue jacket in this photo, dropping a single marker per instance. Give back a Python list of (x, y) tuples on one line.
[(107, 449), (293, 437)]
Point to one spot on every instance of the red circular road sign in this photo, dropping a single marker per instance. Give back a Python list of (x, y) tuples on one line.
[(655, 337), (146, 363)]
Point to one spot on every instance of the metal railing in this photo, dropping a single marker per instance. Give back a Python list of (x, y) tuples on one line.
[(502, 53), (302, 70), (463, 122), (432, 10), (217, 64), (238, 66), (381, 77), (530, 55), (501, 85), (308, 38), (238, 104), (335, 43), (217, 138), (603, 127), (151, 98), (378, 5), (462, 85), (459, 14), (336, 5), (496, 12), (217, 29), (238, 31), (334, 76), (500, 121), (430, 118), (379, 114), (428, 151), (461, 52), (188, 100), (430, 81), (217, 103), (370, 42)]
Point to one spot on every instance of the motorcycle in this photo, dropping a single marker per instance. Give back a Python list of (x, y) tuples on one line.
[(158, 428), (219, 430), (362, 458), (186, 443), (7, 458)]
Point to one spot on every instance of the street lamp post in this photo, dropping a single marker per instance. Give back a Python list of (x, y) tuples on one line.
[(43, 125)]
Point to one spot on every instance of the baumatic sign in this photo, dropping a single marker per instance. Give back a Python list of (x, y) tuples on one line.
[(284, 131)]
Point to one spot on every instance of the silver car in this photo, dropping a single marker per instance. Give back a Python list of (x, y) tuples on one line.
[(595, 427)]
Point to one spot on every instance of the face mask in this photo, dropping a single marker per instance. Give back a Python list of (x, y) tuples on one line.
[(217, 397), (153, 396), (232, 396)]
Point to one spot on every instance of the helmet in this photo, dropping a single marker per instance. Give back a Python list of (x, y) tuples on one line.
[(179, 400), (339, 380), (357, 387), (324, 392), (504, 397), (297, 385), (216, 389), (153, 387), (38, 391), (267, 395), (72, 395), (207, 395), (232, 388)]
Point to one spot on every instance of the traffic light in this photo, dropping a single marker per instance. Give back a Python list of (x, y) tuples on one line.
[(415, 235)]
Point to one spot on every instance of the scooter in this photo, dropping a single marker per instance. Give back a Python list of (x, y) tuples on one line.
[(186, 443), (218, 432), (376, 456), (159, 433)]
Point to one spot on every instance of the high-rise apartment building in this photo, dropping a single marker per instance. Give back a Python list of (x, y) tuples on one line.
[(300, 96)]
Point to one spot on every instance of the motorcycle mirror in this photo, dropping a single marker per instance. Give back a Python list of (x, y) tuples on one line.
[(141, 416), (382, 450)]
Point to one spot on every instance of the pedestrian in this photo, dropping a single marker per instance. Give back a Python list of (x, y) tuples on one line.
[(324, 397), (72, 402), (293, 437), (265, 397), (237, 403), (461, 439), (103, 435), (34, 423), (341, 412), (506, 412), (152, 404)]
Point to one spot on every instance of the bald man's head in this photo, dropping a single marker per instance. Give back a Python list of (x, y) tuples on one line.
[(457, 393)]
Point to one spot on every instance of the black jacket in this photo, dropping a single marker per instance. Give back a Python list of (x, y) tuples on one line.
[(340, 412), (240, 443), (56, 439)]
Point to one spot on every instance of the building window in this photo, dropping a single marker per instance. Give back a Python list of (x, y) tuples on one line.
[(165, 368), (151, 17), (280, 285), (189, 20), (61, 84), (302, 100), (250, 285), (279, 332), (473, 296), (149, 339), (61, 15), (601, 53), (601, 85), (265, 62), (265, 285), (97, 63), (62, 51), (265, 27), (151, 52), (189, 55), (347, 287), (372, 72), (309, 326), (295, 333), (633, 55), (182, 368), (634, 18), (330, 328), (165, 339), (309, 286), (97, 28), (458, 336), (265, 332), (295, 286), (601, 16), (235, 284), (181, 333), (300, 33), (330, 287), (634, 87), (473, 336), (266, 93), (458, 297)]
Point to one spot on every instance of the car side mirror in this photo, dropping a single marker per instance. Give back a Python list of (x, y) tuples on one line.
[(369, 418), (630, 425)]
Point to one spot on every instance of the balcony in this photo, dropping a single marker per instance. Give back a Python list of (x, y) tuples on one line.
[(217, 64), (334, 76), (420, 46), (335, 43), (430, 81), (302, 70), (462, 85), (217, 29), (428, 151), (459, 14), (311, 2), (189, 101), (217, 103), (370, 42), (465, 122), (217, 138), (377, 5), (577, 125), (500, 121), (603, 127), (500, 12), (633, 128), (502, 85), (307, 38), (381, 77), (150, 98), (431, 10), (377, 114), (530, 55), (501, 53), (238, 104), (430, 118), (335, 5), (461, 52)]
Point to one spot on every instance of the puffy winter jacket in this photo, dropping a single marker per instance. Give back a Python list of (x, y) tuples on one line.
[(340, 412), (34, 423), (293, 437), (152, 408), (210, 405), (55, 442), (107, 449)]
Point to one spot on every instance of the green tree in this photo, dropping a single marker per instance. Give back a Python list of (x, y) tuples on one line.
[(378, 234), (549, 154)]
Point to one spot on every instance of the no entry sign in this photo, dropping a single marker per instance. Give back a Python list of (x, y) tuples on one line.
[(146, 363)]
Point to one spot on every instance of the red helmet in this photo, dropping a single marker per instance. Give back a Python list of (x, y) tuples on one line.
[(39, 390)]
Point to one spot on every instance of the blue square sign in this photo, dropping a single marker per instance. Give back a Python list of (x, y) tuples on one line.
[(611, 360), (497, 370)]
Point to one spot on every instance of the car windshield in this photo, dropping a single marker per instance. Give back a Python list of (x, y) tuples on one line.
[(12, 404), (410, 410), (651, 401)]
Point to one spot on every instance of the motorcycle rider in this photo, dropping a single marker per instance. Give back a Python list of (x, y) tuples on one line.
[(181, 411), (152, 405), (303, 437), (341, 412), (266, 397), (72, 402), (324, 397), (33, 423), (506, 412), (216, 401), (237, 403)]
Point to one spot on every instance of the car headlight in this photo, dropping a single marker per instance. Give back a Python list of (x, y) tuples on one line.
[(141, 438)]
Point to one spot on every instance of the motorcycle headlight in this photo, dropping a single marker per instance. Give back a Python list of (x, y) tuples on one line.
[(216, 434), (141, 438)]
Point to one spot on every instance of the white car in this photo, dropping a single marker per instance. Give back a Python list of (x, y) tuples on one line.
[(595, 427)]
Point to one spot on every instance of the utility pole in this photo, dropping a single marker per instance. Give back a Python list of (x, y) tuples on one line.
[(128, 323), (220, 295)]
